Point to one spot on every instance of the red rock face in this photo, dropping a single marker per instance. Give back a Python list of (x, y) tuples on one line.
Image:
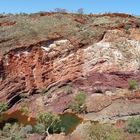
[(103, 66), (106, 81), (24, 64), (7, 23), (38, 67)]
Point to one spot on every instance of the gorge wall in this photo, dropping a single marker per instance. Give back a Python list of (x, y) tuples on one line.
[(103, 70)]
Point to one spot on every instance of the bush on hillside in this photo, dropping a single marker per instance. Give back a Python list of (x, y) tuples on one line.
[(102, 132), (133, 125), (78, 103), (3, 107), (11, 132), (132, 84)]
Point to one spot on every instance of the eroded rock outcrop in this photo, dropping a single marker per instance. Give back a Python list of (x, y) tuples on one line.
[(102, 66)]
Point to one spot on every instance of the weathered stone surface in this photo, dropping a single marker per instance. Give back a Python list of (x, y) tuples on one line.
[(44, 65), (7, 23), (70, 59), (96, 103), (101, 67), (119, 109)]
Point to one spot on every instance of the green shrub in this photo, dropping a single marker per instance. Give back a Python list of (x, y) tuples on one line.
[(11, 128), (47, 122), (24, 109), (3, 107), (11, 132), (133, 125), (39, 128), (102, 132), (14, 131), (16, 136), (7, 127), (132, 84), (28, 129), (78, 103), (127, 27)]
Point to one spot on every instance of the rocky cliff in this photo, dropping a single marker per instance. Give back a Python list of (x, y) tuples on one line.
[(98, 54)]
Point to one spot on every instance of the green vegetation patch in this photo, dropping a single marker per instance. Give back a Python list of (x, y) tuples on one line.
[(102, 132), (3, 107), (132, 84), (78, 103), (47, 123), (133, 125)]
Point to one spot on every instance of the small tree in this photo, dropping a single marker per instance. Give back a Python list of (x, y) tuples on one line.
[(80, 11), (60, 10), (48, 121), (39, 128)]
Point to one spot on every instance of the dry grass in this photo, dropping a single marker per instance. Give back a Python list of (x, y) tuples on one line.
[(37, 27)]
